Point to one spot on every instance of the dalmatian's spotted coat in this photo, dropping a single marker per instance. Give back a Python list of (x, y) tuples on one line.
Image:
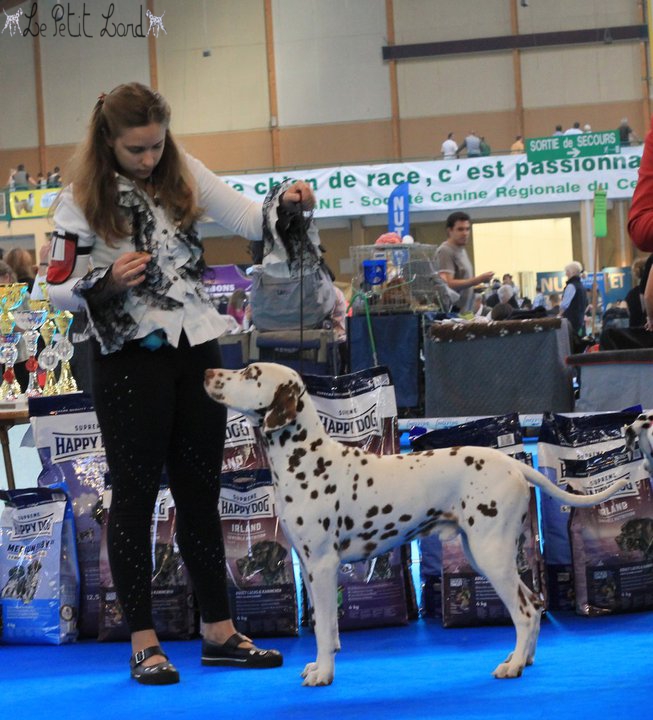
[(642, 432), (339, 504)]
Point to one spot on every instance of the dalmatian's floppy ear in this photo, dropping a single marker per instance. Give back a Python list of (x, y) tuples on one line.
[(283, 408)]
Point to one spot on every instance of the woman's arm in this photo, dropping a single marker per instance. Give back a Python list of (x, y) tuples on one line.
[(235, 212)]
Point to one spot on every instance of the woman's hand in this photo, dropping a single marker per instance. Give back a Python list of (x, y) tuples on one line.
[(298, 196), (128, 270)]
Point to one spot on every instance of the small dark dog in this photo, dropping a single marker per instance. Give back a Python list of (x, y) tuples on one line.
[(637, 534), (266, 558)]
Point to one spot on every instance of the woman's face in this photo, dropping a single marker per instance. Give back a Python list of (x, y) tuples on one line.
[(138, 150)]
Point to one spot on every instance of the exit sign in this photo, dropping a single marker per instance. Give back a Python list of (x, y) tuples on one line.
[(562, 147)]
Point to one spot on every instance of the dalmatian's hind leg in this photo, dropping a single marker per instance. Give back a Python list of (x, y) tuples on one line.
[(493, 561)]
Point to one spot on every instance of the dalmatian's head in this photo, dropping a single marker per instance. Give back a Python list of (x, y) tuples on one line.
[(642, 432), (261, 390)]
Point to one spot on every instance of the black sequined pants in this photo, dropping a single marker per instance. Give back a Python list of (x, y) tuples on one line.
[(153, 411)]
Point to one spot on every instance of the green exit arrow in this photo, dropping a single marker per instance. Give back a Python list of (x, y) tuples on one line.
[(560, 147)]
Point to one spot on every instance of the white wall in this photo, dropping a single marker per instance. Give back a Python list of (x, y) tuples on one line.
[(18, 119), (228, 90), (523, 246), (328, 61), (581, 75)]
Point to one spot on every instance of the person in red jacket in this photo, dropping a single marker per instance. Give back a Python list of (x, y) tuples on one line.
[(640, 217)]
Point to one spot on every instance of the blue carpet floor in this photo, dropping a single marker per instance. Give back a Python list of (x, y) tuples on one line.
[(585, 668)]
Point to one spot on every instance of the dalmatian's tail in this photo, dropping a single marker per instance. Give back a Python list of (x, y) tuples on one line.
[(536, 478)]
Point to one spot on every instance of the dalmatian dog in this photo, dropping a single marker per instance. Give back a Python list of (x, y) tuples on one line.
[(339, 504), (156, 23), (12, 22), (641, 432)]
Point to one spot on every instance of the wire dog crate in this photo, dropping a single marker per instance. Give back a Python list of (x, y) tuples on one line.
[(396, 278)]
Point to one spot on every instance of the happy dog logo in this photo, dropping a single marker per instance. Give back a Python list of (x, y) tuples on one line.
[(239, 432), (75, 19), (357, 427), (32, 526), (239, 505), (69, 445)]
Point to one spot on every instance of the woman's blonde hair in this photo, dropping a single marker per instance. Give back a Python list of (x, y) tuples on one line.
[(94, 166)]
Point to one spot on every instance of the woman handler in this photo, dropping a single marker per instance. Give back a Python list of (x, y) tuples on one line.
[(126, 249)]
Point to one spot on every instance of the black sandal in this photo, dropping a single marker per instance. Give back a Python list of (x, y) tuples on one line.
[(162, 673), (231, 655)]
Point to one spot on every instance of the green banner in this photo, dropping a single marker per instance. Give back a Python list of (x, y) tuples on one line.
[(561, 147), (600, 212)]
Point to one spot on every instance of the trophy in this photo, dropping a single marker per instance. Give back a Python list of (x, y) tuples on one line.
[(11, 297), (48, 359), (29, 321), (64, 350)]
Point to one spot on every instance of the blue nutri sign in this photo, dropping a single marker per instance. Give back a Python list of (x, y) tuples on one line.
[(398, 210)]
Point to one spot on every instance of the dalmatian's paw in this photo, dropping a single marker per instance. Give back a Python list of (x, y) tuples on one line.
[(315, 676), (508, 669)]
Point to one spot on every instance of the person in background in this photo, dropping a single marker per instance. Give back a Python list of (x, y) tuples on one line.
[(626, 133), (558, 130), (508, 280), (131, 212), (449, 148), (574, 129), (541, 299), (640, 270), (518, 146), (574, 302), (503, 309), (453, 262), (20, 179), (485, 148), (479, 309), (7, 274), (54, 178), (554, 305), (22, 264), (236, 305), (472, 143)]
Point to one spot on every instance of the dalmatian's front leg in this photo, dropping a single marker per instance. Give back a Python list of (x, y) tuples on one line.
[(322, 580)]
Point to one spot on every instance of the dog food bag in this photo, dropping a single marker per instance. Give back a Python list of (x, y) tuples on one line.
[(569, 438), (39, 578), (172, 595), (242, 447), (262, 589), (612, 543), (451, 588), (68, 440), (360, 410)]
